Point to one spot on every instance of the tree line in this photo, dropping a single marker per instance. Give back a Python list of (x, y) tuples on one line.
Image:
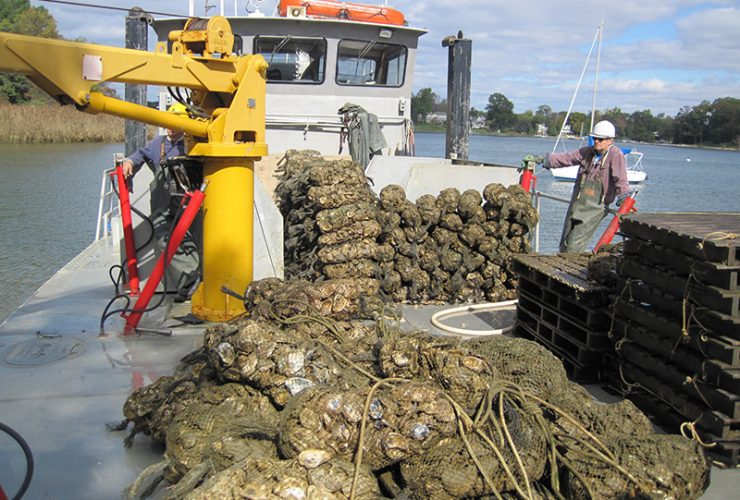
[(714, 123), (18, 16)]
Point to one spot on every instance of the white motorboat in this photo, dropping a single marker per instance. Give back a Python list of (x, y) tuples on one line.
[(635, 172)]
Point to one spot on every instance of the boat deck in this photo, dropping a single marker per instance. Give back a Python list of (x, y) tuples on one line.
[(62, 382)]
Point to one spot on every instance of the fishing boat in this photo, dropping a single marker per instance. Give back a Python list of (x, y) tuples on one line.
[(635, 172), (66, 373)]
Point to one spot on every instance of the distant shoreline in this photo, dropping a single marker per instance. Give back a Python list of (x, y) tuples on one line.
[(52, 123), (441, 130)]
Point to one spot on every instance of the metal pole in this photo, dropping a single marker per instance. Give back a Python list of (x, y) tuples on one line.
[(596, 76), (458, 96), (137, 24), (537, 200)]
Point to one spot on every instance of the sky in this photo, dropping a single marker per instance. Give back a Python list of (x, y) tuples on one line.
[(657, 55)]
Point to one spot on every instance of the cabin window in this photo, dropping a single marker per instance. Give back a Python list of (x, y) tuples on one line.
[(292, 59), (362, 62)]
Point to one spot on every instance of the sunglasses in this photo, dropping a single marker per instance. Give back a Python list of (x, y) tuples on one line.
[(599, 139)]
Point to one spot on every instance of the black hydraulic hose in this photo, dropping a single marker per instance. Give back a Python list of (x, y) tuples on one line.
[(29, 460), (107, 314), (117, 280), (192, 109)]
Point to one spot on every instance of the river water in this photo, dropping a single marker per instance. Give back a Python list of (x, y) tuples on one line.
[(49, 196)]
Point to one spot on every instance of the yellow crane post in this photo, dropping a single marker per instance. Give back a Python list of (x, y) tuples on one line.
[(229, 89)]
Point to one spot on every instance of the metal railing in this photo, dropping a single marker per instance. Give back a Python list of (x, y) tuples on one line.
[(107, 206), (538, 195)]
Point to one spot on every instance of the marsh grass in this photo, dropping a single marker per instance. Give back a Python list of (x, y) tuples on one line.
[(55, 123)]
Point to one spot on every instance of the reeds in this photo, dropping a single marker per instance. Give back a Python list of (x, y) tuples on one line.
[(55, 123)]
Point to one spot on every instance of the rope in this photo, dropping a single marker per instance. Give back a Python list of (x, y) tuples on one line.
[(297, 318), (628, 385), (484, 414), (715, 236), (688, 430), (363, 425), (463, 417), (692, 380), (532, 409), (685, 319), (627, 286)]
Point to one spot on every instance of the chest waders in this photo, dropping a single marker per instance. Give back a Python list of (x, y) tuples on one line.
[(585, 212), (184, 269)]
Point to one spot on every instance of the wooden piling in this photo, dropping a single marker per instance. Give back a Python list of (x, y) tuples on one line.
[(458, 96), (137, 25)]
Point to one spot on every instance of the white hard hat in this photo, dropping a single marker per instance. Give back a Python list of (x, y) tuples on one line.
[(604, 130)]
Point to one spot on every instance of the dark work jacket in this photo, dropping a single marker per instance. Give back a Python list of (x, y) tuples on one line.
[(151, 154), (610, 169)]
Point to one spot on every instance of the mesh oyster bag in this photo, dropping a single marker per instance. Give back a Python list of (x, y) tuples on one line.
[(324, 202), (451, 248), (341, 299), (313, 474), (606, 421), (454, 248), (445, 361), (659, 466), (151, 408), (279, 362), (400, 422), (486, 462), (524, 362), (218, 412)]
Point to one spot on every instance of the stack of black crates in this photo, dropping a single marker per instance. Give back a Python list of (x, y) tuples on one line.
[(676, 324), (560, 308)]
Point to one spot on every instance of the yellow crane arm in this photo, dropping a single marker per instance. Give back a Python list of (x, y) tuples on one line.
[(68, 70), (228, 90)]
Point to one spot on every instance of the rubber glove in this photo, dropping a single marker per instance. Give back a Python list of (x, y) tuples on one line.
[(621, 198), (531, 158)]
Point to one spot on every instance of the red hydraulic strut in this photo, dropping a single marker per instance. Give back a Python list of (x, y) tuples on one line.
[(625, 208), (188, 215), (128, 229)]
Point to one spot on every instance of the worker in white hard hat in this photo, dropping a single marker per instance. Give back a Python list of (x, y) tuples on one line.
[(602, 178), (184, 269)]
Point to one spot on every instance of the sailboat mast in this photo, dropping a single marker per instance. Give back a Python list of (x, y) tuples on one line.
[(578, 86), (596, 76)]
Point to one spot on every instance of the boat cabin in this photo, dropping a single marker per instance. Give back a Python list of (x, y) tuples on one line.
[(317, 65)]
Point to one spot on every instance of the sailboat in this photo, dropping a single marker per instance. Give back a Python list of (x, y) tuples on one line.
[(635, 173)]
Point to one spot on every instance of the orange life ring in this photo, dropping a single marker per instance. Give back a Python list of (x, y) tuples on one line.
[(333, 9)]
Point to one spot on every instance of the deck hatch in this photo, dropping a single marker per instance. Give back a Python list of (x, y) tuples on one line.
[(43, 350)]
